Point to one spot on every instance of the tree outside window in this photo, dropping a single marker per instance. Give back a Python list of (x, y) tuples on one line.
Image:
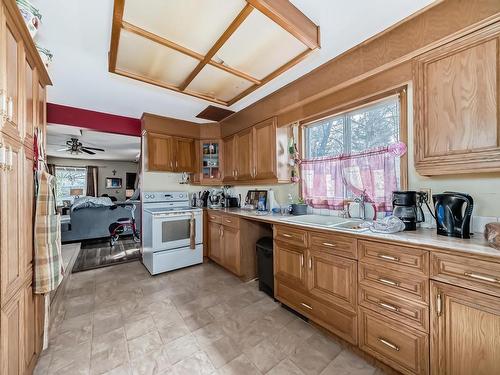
[(68, 178)]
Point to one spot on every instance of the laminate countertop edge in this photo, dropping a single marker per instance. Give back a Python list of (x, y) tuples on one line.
[(425, 238)]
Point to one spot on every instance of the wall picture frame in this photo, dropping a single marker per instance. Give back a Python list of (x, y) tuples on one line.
[(113, 183)]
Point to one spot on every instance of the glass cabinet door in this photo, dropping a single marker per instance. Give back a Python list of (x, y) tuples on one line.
[(211, 160)]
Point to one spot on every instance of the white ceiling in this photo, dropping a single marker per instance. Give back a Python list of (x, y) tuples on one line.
[(116, 146), (78, 33)]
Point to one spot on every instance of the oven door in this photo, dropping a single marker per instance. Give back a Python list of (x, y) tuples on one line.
[(172, 230)]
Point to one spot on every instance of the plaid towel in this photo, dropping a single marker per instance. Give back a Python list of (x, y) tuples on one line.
[(48, 270)]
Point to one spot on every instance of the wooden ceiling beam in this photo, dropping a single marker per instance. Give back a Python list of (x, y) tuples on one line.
[(115, 33), (169, 44), (272, 75), (164, 85), (285, 14), (218, 44)]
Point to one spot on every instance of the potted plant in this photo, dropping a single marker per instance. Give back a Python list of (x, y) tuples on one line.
[(299, 208)]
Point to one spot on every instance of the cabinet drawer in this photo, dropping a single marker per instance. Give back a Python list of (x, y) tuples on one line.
[(230, 221), (475, 274), (336, 320), (406, 349), (214, 218), (395, 257), (338, 244), (404, 285), (408, 312), (289, 235)]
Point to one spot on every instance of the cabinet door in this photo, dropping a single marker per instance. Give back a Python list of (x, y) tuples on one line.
[(265, 150), (29, 102), (185, 155), (465, 331), (232, 249), (13, 64), (215, 252), (27, 212), (160, 152), (289, 265), (229, 145), (12, 264), (332, 279), (11, 326), (244, 156), (39, 321), (30, 327), (457, 101)]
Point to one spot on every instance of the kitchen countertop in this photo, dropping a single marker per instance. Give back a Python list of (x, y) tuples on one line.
[(427, 238)]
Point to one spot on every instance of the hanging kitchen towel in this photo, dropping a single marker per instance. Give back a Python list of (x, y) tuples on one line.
[(192, 232), (48, 270)]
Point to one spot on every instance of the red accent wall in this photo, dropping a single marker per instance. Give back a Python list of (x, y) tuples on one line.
[(99, 121)]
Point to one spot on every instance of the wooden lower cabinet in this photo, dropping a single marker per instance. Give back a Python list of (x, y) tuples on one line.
[(232, 251), (30, 328), (289, 265), (401, 347), (465, 331), (11, 336), (215, 247), (332, 279), (225, 247)]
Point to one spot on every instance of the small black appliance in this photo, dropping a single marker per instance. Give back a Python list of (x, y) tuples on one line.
[(407, 207), (453, 213)]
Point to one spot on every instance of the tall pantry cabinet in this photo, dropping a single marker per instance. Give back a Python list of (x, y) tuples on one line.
[(23, 79)]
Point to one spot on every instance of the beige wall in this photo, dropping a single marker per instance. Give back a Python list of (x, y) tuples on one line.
[(164, 181), (484, 188), (105, 170)]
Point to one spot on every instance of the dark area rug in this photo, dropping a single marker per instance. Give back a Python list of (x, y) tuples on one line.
[(98, 253)]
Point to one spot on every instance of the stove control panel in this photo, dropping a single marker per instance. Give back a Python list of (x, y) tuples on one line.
[(165, 196)]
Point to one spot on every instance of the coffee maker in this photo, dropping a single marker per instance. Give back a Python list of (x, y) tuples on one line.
[(407, 206), (453, 213)]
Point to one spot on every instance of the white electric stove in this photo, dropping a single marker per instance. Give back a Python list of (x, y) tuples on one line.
[(167, 232)]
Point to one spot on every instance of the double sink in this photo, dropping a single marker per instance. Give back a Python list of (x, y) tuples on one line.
[(328, 222)]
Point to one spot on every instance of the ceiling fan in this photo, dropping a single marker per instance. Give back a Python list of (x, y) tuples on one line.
[(73, 146)]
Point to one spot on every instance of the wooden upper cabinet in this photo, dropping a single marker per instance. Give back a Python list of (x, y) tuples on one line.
[(29, 105), (245, 155), (12, 52), (265, 150), (457, 101), (229, 168), (12, 262), (171, 154), (465, 331), (185, 155), (160, 152)]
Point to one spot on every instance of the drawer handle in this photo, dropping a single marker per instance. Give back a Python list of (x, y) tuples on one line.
[(490, 279), (388, 257), (389, 344), (301, 260), (329, 244), (388, 282), (388, 306), (306, 305), (228, 221), (286, 235)]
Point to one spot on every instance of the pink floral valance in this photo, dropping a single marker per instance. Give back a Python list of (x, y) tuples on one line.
[(326, 181)]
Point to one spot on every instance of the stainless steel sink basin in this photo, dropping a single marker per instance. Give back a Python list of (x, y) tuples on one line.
[(325, 221), (328, 222)]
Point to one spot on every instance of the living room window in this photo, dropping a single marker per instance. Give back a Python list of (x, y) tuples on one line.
[(356, 150), (71, 182)]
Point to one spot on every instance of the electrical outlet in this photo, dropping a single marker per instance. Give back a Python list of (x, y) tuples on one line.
[(428, 193)]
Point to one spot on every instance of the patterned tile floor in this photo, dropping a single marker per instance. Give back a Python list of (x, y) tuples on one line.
[(199, 320)]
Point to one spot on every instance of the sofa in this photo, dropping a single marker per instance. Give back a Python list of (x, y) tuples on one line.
[(93, 222)]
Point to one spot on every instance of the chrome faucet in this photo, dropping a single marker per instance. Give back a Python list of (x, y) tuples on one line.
[(363, 198)]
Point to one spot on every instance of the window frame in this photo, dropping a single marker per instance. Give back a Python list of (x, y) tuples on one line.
[(400, 92), (73, 167)]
